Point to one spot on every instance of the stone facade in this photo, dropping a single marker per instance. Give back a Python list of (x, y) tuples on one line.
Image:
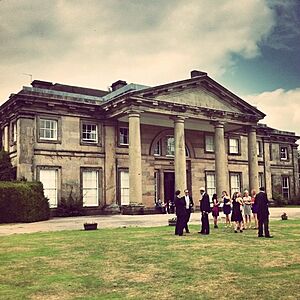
[(133, 145)]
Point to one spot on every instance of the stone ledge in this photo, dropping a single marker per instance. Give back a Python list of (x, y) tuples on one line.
[(132, 209)]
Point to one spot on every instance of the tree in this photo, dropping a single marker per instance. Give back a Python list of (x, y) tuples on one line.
[(7, 172)]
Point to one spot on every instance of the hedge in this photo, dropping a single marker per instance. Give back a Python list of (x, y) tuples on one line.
[(22, 202)]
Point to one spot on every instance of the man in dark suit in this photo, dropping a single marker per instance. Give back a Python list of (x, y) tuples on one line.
[(205, 210), (188, 206), (180, 213), (262, 202)]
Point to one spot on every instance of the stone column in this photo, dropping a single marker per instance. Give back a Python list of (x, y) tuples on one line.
[(161, 185), (25, 148), (110, 176), (135, 158), (267, 168), (220, 160), (179, 159), (252, 159), (296, 169)]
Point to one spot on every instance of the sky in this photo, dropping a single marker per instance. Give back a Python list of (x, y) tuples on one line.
[(252, 47)]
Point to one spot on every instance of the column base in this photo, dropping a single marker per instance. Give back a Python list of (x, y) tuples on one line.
[(133, 209)]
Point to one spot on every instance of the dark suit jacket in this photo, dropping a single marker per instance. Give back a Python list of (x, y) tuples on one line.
[(204, 203), (191, 203), (262, 202), (180, 206)]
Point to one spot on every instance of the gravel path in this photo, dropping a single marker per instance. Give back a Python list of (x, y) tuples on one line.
[(114, 221)]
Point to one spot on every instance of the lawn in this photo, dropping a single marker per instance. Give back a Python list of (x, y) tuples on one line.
[(152, 263)]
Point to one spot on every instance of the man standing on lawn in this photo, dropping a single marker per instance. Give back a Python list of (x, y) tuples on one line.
[(262, 202), (188, 206), (180, 213), (204, 210)]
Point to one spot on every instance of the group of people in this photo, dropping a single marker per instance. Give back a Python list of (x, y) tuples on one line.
[(240, 207)]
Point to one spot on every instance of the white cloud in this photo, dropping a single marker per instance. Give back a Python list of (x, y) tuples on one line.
[(281, 107), (93, 43)]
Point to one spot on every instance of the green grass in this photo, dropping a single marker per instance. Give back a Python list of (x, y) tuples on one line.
[(152, 263)]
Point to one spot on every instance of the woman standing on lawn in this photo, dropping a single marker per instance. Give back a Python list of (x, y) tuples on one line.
[(215, 210), (247, 209), (237, 204), (226, 208), (254, 208)]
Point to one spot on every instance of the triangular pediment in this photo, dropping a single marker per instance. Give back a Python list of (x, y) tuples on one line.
[(199, 97)]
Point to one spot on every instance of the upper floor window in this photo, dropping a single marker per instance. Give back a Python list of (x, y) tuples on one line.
[(48, 129), (14, 132), (89, 133), (165, 146), (123, 136), (170, 146), (259, 148), (157, 149), (283, 153), (209, 143), (271, 151), (234, 146)]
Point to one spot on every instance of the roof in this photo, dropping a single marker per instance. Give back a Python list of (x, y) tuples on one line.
[(68, 88)]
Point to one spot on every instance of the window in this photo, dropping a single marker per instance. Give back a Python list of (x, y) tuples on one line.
[(166, 147), (259, 148), (209, 143), (124, 187), (210, 184), (123, 136), (234, 146), (235, 182), (285, 187), (271, 152), (89, 133), (170, 146), (48, 129), (283, 153), (49, 179), (157, 149), (261, 180), (14, 132), (90, 187)]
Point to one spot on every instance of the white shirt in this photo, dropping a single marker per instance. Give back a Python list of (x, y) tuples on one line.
[(187, 202)]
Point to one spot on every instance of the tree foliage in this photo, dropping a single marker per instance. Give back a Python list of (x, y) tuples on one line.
[(7, 172)]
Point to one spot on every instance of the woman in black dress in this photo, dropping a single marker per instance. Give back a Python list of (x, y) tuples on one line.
[(237, 217), (215, 210), (226, 207)]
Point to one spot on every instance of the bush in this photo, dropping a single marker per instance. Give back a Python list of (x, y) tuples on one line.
[(23, 202), (277, 196), (7, 172), (71, 206)]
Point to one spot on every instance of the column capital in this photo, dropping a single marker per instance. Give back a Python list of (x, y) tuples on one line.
[(218, 124), (134, 113), (252, 128), (178, 119)]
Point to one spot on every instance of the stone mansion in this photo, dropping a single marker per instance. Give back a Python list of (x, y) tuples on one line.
[(136, 144)]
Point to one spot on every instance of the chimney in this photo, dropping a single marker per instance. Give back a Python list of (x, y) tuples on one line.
[(118, 84), (196, 73), (41, 84)]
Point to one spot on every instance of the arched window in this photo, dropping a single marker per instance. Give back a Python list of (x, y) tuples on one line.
[(165, 146)]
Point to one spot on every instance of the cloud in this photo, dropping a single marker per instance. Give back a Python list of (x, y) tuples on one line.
[(93, 43), (281, 107), (287, 29)]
